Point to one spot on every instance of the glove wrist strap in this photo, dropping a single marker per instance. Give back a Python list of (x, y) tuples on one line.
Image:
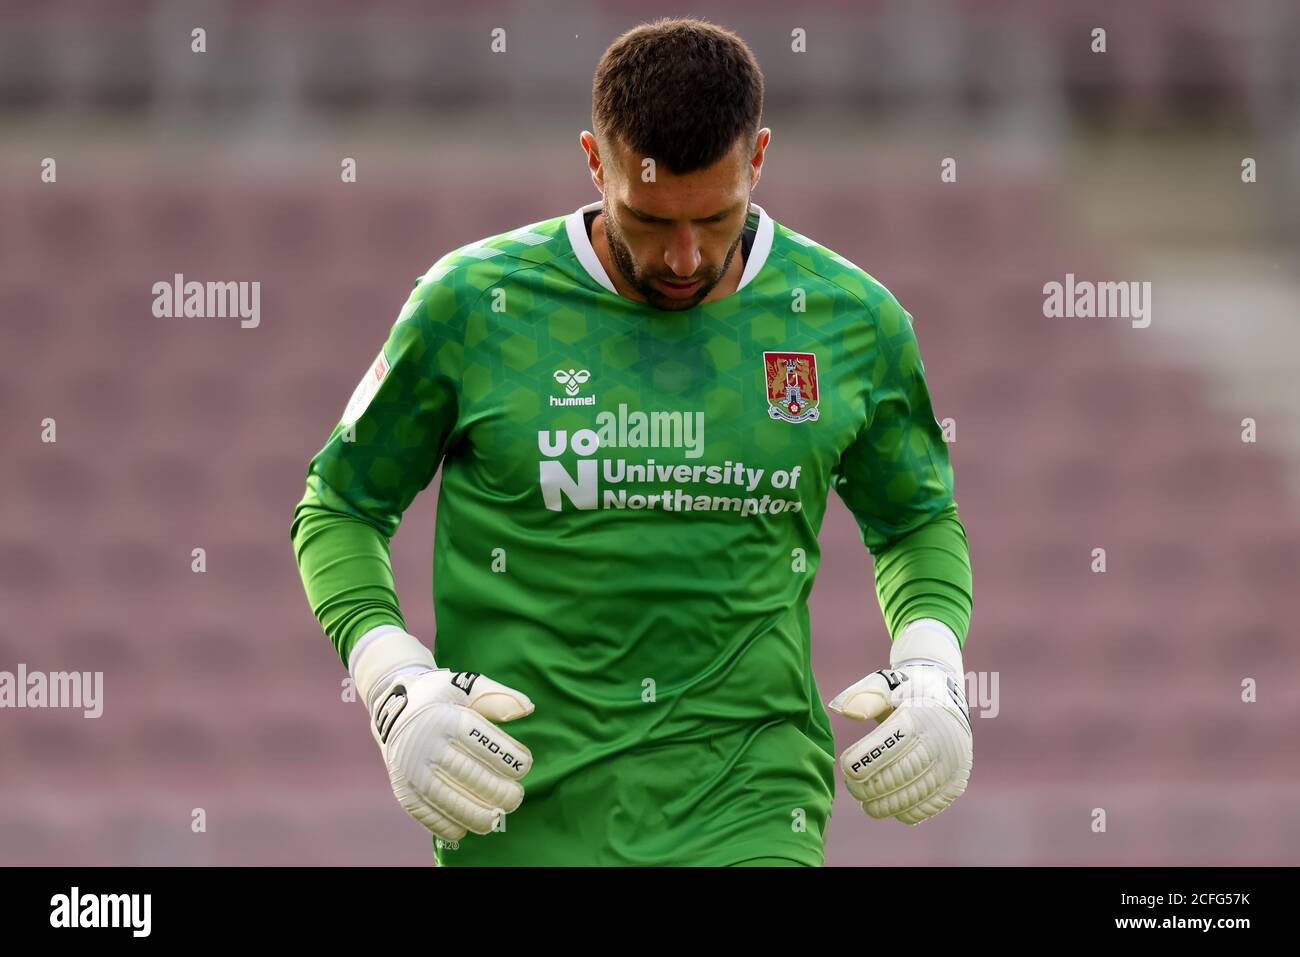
[(930, 640), (380, 655)]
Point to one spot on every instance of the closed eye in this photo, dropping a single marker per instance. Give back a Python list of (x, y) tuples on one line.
[(654, 220)]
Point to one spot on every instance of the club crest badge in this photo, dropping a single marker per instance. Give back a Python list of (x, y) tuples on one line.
[(791, 386)]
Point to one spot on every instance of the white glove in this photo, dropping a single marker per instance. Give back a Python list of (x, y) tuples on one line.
[(451, 768), (918, 759)]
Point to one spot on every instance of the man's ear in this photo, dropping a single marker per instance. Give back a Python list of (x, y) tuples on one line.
[(591, 146), (756, 160)]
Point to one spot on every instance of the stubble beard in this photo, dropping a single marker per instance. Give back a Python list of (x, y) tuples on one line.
[(622, 256)]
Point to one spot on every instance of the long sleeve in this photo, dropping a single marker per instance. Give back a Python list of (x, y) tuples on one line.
[(897, 480), (346, 573), (382, 453)]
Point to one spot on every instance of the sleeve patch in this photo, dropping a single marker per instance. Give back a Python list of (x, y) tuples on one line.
[(366, 389)]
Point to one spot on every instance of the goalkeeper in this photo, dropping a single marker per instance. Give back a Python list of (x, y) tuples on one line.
[(638, 410)]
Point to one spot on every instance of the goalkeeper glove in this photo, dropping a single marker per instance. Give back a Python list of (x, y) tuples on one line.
[(917, 760), (451, 768)]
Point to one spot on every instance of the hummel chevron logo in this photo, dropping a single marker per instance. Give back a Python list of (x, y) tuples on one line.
[(571, 379)]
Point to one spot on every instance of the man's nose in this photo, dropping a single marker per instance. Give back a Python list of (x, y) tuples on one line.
[(683, 253)]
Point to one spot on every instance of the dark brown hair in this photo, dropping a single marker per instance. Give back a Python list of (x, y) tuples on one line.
[(679, 90)]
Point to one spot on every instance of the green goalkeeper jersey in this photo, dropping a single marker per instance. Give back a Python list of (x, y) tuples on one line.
[(627, 528)]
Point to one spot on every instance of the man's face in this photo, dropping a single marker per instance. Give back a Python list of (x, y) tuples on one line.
[(673, 239)]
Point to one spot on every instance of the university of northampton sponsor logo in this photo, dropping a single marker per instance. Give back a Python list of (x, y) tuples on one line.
[(791, 386)]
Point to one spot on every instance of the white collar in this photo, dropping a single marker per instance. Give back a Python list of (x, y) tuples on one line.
[(581, 244)]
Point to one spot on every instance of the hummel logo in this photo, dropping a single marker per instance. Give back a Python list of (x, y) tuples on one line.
[(571, 379)]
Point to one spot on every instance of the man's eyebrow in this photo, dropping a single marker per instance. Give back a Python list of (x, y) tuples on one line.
[(659, 219)]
